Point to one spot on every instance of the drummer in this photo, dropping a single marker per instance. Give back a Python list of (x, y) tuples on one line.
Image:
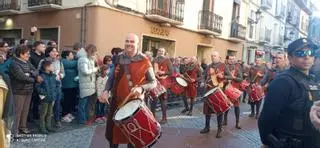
[(215, 72), (191, 72), (256, 74), (133, 74), (233, 75), (163, 71)]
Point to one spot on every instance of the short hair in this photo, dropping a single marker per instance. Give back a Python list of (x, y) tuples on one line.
[(90, 49), (116, 50), (228, 56), (21, 49), (51, 42), (45, 64), (22, 41), (66, 53), (37, 43), (48, 50), (106, 58), (3, 43), (76, 46)]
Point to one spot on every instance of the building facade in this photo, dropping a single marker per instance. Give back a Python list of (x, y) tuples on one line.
[(183, 27), (272, 25)]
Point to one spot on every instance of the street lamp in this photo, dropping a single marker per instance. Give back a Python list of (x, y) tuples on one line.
[(258, 16)]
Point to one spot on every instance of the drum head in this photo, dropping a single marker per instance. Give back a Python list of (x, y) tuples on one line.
[(181, 82), (127, 110), (210, 92)]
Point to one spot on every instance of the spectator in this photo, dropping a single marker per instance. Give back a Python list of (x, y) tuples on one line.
[(70, 85), (5, 60), (24, 42), (23, 76), (35, 57), (52, 43), (58, 70), (107, 60), (100, 84), (115, 52), (48, 91), (87, 84)]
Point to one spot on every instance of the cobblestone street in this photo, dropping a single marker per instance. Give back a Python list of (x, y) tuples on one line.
[(181, 132)]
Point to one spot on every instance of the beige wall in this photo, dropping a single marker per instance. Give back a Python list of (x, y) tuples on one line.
[(69, 25), (106, 30)]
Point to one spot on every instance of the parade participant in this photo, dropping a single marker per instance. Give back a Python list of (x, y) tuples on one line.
[(191, 72), (163, 70), (285, 120), (214, 78), (279, 64), (133, 74), (256, 74), (233, 75)]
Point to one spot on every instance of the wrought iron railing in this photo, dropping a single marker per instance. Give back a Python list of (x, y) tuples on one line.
[(166, 8), (210, 21), (10, 5), (43, 2), (238, 31)]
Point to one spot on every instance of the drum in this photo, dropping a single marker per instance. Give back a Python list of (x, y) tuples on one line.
[(138, 124), (179, 87), (166, 82), (256, 93), (244, 85), (232, 93), (217, 100), (157, 91)]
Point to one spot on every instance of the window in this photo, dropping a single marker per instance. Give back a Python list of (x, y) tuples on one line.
[(251, 30), (236, 10)]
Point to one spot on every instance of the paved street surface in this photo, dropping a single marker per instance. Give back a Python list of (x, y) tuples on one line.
[(181, 132)]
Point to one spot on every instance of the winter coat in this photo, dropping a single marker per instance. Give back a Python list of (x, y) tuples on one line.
[(71, 72), (49, 88)]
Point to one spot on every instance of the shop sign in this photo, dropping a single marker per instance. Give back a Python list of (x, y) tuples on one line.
[(159, 31)]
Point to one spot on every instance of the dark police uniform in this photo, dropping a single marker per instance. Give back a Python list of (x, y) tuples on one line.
[(284, 121)]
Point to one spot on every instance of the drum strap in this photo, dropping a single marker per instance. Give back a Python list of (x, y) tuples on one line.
[(128, 75)]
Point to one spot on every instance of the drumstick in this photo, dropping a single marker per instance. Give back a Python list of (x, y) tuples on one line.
[(126, 99)]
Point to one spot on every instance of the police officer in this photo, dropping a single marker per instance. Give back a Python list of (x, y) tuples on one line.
[(284, 121)]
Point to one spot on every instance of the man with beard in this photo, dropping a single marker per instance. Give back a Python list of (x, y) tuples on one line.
[(163, 71), (215, 72), (133, 74)]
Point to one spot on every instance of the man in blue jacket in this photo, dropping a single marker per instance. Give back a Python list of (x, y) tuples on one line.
[(284, 121)]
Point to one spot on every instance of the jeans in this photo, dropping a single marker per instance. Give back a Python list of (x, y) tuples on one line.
[(83, 110), (100, 109), (57, 110), (45, 115)]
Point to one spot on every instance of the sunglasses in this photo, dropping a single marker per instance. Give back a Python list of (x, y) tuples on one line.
[(304, 53)]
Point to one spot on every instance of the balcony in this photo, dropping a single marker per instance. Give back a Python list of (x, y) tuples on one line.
[(265, 36), (44, 5), (10, 7), (280, 13), (266, 4), (238, 32), (209, 23), (165, 11)]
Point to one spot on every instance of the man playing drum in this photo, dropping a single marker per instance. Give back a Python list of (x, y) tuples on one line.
[(133, 74), (190, 72), (214, 78), (256, 74), (163, 71), (233, 75)]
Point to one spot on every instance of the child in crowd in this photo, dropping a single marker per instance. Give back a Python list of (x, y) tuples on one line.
[(101, 83), (48, 91)]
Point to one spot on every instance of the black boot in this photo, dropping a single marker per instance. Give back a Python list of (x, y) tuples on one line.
[(186, 107), (113, 145), (258, 109), (219, 120), (191, 107), (252, 110), (207, 127), (225, 118), (237, 114), (164, 104)]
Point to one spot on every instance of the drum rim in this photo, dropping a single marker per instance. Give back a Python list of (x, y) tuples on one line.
[(213, 89), (130, 116), (186, 83)]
